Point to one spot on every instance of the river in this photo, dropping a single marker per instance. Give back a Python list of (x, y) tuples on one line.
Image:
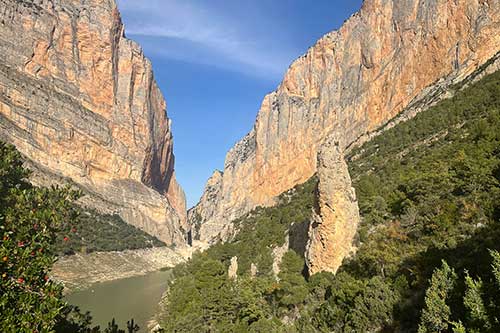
[(135, 297)]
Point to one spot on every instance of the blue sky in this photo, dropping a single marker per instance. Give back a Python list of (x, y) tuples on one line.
[(215, 60)]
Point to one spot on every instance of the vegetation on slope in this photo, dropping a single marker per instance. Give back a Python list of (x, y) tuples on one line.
[(94, 231), (429, 195), (429, 190), (428, 261), (203, 298)]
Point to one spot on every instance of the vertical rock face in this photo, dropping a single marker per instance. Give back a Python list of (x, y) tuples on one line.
[(333, 228), (253, 270), (352, 81), (79, 100)]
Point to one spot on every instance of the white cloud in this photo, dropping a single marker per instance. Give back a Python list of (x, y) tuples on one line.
[(198, 33)]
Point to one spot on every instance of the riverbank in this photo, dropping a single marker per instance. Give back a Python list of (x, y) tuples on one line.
[(80, 271)]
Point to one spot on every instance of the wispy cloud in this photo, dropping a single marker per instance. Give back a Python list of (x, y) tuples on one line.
[(192, 31)]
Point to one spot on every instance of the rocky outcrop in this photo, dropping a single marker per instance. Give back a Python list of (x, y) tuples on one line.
[(334, 226), (79, 100), (253, 270), (390, 55), (232, 271)]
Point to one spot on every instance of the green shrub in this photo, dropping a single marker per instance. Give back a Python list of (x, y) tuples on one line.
[(31, 222), (29, 218)]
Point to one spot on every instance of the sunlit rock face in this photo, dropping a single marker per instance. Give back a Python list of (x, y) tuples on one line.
[(389, 55), (79, 100)]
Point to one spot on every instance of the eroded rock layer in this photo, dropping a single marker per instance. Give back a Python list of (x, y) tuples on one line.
[(79, 100), (388, 56)]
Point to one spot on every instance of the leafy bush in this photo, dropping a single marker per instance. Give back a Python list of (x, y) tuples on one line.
[(29, 216), (31, 219)]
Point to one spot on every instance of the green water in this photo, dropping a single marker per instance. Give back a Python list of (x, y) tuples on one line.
[(135, 297)]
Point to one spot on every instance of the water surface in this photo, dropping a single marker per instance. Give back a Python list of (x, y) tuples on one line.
[(135, 297)]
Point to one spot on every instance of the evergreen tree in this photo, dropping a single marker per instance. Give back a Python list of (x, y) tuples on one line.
[(473, 301), (495, 266), (436, 314)]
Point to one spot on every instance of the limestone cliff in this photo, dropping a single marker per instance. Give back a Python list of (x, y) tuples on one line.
[(388, 56), (79, 100)]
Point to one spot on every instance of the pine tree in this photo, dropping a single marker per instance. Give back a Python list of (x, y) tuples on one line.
[(473, 301), (496, 266), (436, 314)]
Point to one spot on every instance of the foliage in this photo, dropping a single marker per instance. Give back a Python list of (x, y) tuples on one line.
[(202, 297), (292, 289), (436, 314), (481, 301), (355, 305), (70, 319), (473, 301), (29, 216), (429, 190)]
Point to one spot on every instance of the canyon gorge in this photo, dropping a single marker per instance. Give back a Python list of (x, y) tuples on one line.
[(364, 198), (389, 57), (80, 101)]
